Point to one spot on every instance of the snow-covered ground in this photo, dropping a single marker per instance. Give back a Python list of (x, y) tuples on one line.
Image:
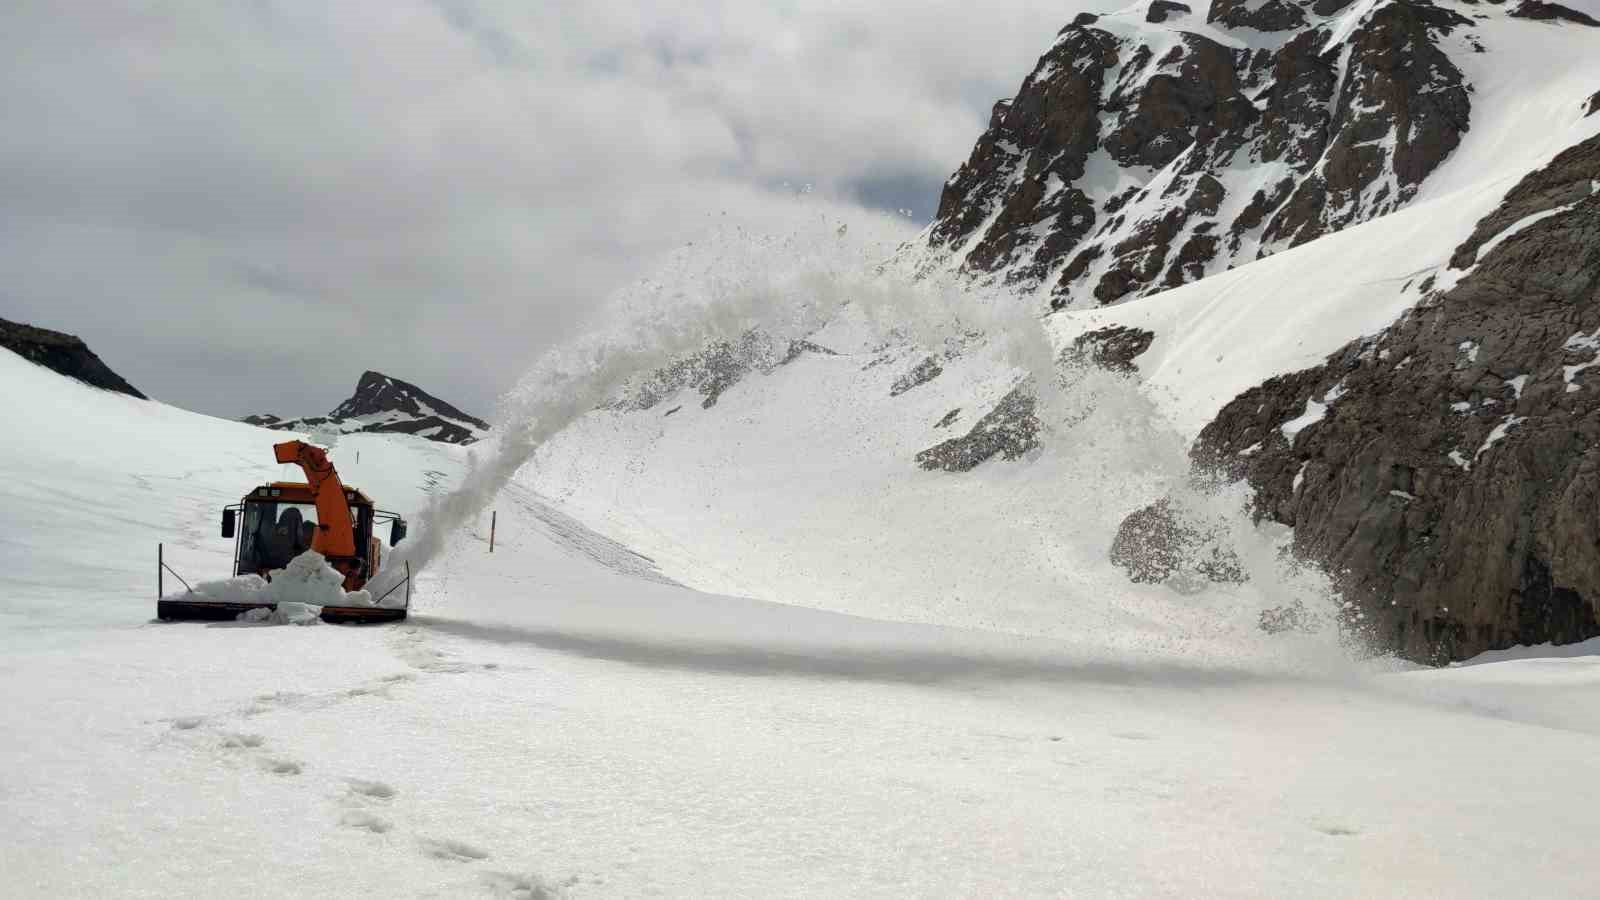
[(560, 718)]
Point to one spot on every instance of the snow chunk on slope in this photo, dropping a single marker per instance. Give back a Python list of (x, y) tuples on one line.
[(299, 590), (1313, 414)]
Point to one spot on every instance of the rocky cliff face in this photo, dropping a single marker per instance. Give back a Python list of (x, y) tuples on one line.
[(384, 404), (1144, 152), (63, 353), (1449, 467), (1446, 470)]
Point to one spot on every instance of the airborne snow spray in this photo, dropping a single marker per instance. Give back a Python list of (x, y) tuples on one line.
[(1107, 448)]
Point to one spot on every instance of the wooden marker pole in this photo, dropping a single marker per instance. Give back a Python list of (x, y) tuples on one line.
[(492, 517), (160, 564)]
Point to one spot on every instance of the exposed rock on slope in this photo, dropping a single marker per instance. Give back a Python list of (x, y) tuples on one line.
[(1114, 347), (718, 367), (1009, 430), (63, 353), (1142, 154), (1552, 12), (1157, 542), (922, 373), (384, 404), (1449, 467)]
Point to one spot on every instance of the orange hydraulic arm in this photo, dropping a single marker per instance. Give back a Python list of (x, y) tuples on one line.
[(336, 534)]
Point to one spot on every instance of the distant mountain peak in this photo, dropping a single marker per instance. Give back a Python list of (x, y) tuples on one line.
[(377, 393), (383, 403)]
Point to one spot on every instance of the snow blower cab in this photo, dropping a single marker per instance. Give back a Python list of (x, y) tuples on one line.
[(281, 520)]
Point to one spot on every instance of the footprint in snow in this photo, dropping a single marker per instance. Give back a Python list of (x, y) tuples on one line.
[(1134, 735), (452, 851), (284, 697), (365, 821), (283, 766), (374, 790), (242, 741), (1337, 830), (188, 723), (520, 887)]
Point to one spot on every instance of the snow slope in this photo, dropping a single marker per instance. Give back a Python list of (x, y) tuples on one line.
[(558, 718), (94, 480), (799, 484)]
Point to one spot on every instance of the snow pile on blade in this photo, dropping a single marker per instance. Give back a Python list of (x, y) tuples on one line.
[(299, 590)]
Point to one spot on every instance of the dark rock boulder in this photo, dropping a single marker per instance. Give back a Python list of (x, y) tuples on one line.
[(1161, 540), (1447, 470), (717, 367), (1552, 12), (1273, 15), (1293, 616), (1162, 10), (711, 371), (922, 373), (1008, 431), (1114, 347), (799, 348), (64, 354)]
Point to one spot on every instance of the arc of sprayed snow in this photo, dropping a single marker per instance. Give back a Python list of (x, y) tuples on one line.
[(569, 382)]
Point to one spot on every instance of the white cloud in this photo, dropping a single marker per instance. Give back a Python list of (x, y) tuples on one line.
[(244, 204)]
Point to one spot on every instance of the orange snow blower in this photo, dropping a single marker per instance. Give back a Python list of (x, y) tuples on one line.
[(283, 519)]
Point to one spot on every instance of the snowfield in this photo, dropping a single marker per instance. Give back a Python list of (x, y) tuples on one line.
[(751, 649), (561, 718)]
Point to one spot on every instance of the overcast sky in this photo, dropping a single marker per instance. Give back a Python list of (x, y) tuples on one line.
[(243, 204)]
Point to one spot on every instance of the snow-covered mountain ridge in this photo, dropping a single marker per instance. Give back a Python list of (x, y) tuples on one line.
[(1165, 143), (384, 404), (1402, 154)]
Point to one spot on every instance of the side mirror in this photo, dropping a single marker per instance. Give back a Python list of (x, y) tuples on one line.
[(227, 523), (397, 532)]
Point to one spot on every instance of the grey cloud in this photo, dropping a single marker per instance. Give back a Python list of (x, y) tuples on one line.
[(244, 204)]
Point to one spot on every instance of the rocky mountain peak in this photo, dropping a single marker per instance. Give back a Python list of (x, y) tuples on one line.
[(382, 403), (1441, 470), (1153, 147), (379, 394)]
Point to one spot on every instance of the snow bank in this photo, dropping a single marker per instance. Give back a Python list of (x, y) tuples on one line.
[(299, 590)]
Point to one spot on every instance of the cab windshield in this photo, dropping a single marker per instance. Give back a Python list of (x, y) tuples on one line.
[(274, 533)]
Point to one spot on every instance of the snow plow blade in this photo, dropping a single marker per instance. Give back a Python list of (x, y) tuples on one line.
[(215, 611), (346, 615), (168, 610)]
